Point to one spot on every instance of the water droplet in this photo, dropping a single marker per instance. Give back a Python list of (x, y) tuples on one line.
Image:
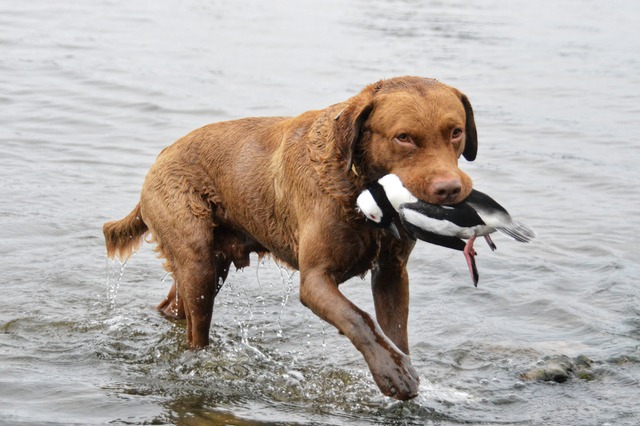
[(113, 283)]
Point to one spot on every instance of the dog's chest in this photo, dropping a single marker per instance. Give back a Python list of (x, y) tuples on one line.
[(359, 262)]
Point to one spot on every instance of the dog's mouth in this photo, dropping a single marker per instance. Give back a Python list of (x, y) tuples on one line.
[(383, 199), (443, 197), (443, 191)]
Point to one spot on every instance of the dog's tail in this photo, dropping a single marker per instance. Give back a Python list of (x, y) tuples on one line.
[(124, 236)]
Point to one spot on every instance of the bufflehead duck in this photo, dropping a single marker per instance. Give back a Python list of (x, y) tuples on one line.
[(477, 215)]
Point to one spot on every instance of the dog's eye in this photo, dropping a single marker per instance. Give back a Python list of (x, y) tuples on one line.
[(404, 138), (456, 133)]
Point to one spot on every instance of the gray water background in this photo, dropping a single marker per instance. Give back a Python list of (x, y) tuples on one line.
[(91, 91)]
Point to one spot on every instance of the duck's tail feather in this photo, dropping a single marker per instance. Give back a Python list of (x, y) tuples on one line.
[(518, 232)]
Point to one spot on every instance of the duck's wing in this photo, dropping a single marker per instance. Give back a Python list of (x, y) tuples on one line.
[(433, 238), (461, 215), (482, 203)]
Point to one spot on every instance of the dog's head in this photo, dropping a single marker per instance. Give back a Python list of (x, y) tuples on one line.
[(413, 127)]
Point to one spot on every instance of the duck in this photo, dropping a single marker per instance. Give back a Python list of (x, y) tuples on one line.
[(444, 225)]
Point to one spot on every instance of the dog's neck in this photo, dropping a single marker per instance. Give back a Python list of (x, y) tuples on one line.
[(334, 175)]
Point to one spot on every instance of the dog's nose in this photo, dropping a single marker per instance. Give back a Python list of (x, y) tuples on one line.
[(446, 190)]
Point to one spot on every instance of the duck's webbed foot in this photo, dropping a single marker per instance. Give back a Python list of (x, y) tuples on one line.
[(469, 255), (492, 245)]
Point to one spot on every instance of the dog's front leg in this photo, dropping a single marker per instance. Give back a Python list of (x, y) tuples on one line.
[(390, 367), (390, 287)]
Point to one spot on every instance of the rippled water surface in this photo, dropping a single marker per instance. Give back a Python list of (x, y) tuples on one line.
[(91, 91)]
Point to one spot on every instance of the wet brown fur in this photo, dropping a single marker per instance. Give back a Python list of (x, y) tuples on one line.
[(288, 186)]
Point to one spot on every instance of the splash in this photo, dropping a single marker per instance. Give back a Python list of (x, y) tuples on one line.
[(113, 280), (260, 299), (174, 310), (286, 277), (243, 310)]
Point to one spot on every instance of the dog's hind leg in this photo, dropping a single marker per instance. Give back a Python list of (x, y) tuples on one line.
[(186, 240), (199, 271), (172, 306)]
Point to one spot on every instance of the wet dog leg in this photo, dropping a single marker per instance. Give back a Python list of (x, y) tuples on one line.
[(390, 287), (390, 367), (172, 306)]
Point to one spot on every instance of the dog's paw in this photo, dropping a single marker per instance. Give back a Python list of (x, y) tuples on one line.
[(396, 377)]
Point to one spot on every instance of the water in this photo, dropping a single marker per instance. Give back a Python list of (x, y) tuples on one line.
[(91, 91)]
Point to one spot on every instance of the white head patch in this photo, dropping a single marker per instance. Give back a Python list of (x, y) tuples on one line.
[(369, 207), (395, 190)]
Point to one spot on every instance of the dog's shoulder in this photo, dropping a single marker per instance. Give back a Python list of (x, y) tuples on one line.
[(331, 167)]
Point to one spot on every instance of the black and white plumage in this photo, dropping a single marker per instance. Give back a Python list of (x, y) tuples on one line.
[(381, 201), (477, 215), (447, 226)]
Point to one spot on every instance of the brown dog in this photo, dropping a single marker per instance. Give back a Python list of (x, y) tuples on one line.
[(288, 186)]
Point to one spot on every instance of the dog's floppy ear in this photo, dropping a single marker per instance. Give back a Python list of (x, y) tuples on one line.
[(471, 142), (348, 126)]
